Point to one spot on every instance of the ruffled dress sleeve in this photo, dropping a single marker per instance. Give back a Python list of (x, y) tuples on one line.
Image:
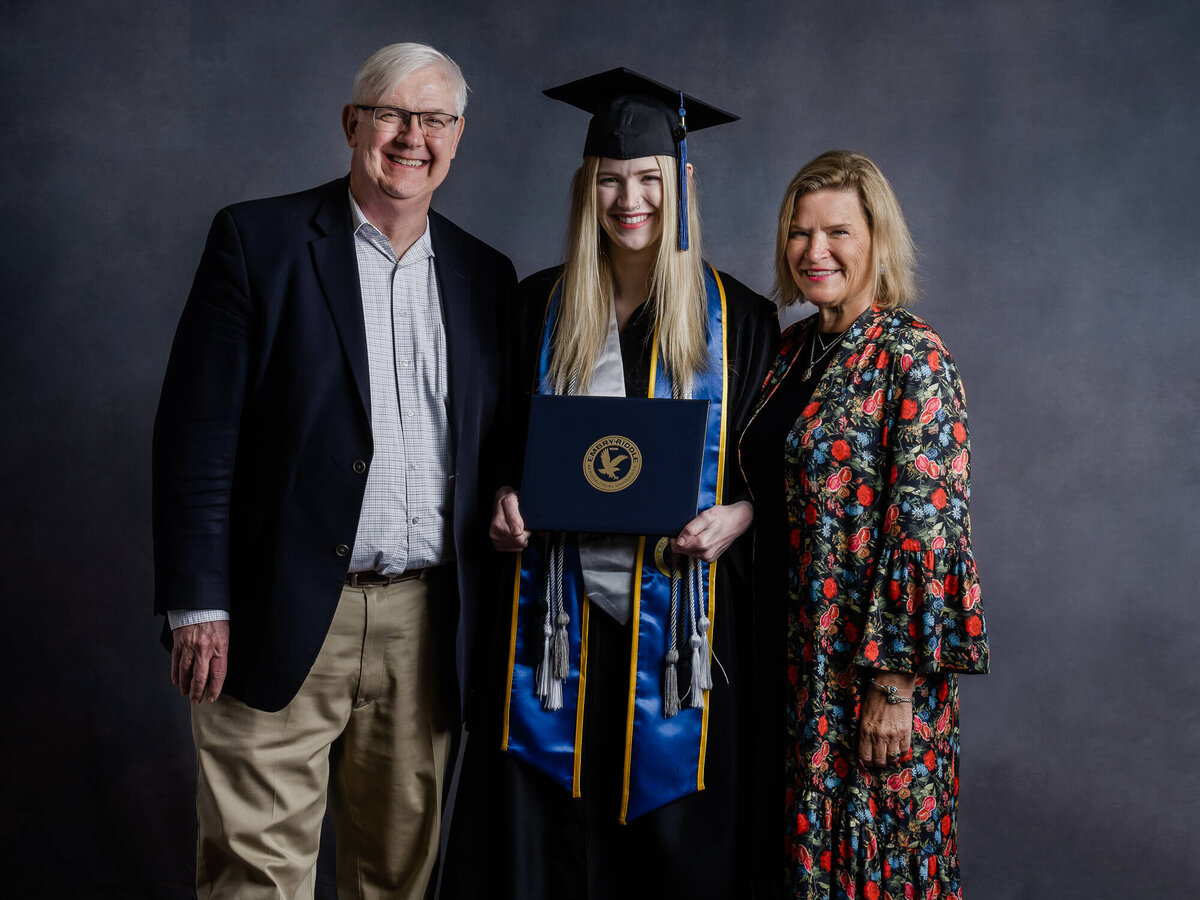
[(923, 609)]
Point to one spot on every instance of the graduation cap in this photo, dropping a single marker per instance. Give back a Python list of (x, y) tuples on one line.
[(634, 116)]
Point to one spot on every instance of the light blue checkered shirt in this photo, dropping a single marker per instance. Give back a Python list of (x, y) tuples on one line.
[(405, 517)]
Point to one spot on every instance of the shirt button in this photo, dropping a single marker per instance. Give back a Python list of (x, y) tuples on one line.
[(359, 466), (341, 550), (415, 520), (411, 413), (413, 466)]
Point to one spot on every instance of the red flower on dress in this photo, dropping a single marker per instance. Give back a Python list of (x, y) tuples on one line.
[(893, 589), (906, 362), (802, 823), (939, 543), (974, 626), (871, 891), (811, 410), (871, 651), (829, 588), (908, 409), (840, 450), (839, 766), (882, 359), (950, 585), (810, 514), (932, 406), (932, 358), (910, 545), (822, 725), (960, 433), (793, 674), (865, 494), (826, 861), (939, 498)]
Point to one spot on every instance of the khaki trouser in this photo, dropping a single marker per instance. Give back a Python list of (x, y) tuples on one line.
[(373, 699)]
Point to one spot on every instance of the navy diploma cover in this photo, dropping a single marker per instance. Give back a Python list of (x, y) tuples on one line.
[(612, 464)]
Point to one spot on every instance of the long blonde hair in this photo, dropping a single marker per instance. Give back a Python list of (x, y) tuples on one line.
[(676, 286)]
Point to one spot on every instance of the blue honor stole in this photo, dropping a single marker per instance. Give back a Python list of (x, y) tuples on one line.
[(665, 741)]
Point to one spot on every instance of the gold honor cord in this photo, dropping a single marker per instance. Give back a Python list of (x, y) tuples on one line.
[(636, 617), (512, 652), (633, 660), (512, 638), (583, 661)]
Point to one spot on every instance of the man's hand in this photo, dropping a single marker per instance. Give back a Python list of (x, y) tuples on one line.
[(199, 659), (709, 535), (507, 531)]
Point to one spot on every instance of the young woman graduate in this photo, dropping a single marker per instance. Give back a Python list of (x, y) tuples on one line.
[(621, 658)]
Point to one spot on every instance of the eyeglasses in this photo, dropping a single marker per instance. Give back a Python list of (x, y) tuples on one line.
[(393, 119)]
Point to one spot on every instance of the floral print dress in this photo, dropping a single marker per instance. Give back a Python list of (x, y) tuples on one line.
[(880, 575)]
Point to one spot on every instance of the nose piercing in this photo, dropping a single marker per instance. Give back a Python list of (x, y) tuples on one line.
[(639, 205)]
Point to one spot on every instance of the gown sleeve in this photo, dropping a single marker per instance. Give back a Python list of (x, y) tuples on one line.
[(923, 605), (753, 343)]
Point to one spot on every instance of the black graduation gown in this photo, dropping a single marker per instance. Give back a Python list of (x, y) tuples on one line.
[(517, 834)]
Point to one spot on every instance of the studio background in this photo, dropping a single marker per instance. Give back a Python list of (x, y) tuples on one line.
[(1045, 154)]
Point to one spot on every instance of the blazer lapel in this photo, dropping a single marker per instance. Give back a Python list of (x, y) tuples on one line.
[(454, 287), (337, 272)]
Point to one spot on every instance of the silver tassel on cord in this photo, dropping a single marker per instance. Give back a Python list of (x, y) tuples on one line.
[(671, 675), (695, 691), (702, 677), (555, 665)]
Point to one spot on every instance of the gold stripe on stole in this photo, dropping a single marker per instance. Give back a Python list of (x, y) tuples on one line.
[(634, 618), (712, 567), (583, 657), (512, 652)]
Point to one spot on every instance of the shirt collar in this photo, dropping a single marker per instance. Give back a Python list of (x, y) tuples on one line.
[(422, 249)]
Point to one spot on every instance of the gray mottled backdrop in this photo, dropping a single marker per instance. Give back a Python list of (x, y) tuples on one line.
[(1045, 153)]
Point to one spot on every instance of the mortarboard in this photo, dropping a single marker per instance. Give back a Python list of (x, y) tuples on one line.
[(634, 116)]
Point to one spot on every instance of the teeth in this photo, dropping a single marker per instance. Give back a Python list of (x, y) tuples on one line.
[(410, 163), (633, 220), (820, 273)]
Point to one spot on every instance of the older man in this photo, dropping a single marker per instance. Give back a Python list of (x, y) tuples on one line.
[(322, 482)]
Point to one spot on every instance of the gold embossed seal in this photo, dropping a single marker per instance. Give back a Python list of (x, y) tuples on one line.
[(612, 463)]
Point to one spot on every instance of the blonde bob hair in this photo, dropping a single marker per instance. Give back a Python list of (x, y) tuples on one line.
[(676, 286), (893, 253)]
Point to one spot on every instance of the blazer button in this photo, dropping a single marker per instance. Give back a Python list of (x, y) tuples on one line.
[(341, 550), (359, 466)]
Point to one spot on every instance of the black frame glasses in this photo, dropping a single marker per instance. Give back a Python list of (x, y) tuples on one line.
[(431, 123)]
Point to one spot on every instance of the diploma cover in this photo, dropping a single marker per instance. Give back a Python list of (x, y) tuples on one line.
[(612, 464)]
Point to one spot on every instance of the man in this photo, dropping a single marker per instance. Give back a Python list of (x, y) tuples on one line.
[(322, 483)]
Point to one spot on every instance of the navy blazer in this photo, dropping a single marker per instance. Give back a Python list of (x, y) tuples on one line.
[(262, 441)]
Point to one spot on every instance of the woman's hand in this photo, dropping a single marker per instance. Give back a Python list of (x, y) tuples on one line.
[(507, 531), (885, 729), (709, 534)]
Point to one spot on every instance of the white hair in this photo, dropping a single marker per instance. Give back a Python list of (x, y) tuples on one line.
[(382, 73)]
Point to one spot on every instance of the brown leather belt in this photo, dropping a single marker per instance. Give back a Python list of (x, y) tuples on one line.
[(371, 578)]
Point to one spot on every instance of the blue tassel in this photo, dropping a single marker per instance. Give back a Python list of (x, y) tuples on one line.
[(683, 195)]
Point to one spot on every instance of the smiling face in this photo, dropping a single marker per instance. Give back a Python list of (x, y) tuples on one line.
[(629, 202), (402, 169), (829, 254)]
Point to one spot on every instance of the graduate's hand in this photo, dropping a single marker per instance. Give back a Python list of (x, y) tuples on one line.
[(508, 532), (709, 535), (199, 658)]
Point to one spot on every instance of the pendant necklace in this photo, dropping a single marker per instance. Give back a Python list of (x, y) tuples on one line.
[(813, 359)]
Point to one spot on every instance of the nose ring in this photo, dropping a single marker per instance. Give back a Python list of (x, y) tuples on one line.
[(639, 205)]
